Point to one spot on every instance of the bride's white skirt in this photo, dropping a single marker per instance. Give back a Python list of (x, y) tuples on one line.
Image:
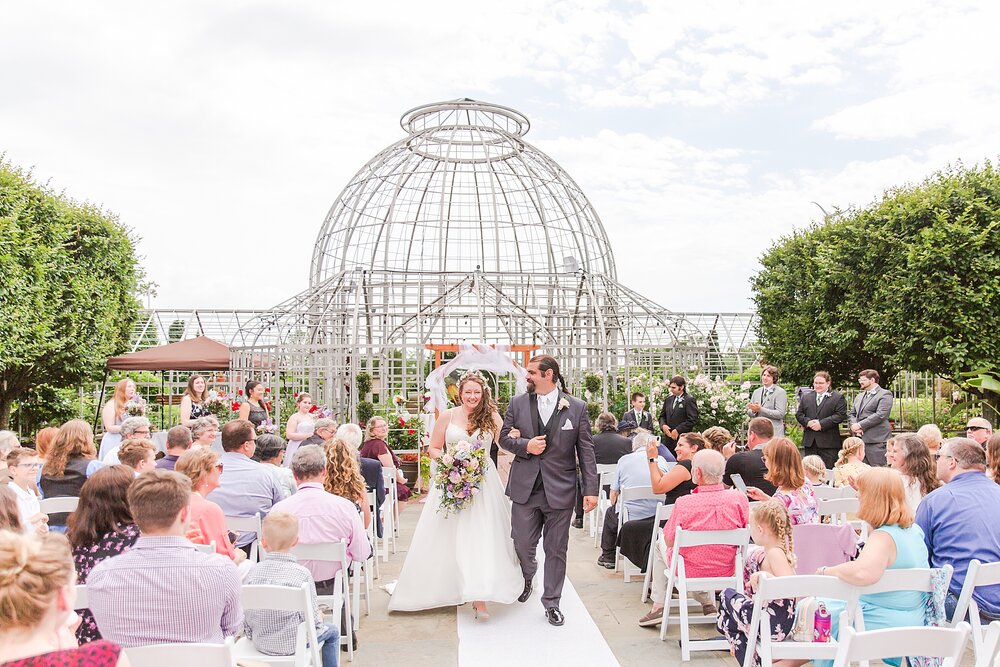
[(461, 557)]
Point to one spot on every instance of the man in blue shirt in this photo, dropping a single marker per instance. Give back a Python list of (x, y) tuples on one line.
[(959, 521)]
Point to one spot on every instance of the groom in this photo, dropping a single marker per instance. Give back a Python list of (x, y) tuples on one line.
[(554, 435)]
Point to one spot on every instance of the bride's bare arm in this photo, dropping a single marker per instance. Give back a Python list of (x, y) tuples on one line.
[(436, 446)]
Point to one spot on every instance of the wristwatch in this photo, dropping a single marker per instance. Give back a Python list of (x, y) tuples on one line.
[(652, 460)]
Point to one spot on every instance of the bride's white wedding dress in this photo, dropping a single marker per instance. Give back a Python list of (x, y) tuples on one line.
[(464, 556)]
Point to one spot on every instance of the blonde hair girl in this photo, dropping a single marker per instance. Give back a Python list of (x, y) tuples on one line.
[(850, 462), (815, 469)]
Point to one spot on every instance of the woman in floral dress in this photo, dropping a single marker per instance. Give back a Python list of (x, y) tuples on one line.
[(771, 527), (785, 471)]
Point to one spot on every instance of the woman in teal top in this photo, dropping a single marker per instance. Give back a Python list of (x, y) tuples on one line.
[(894, 543)]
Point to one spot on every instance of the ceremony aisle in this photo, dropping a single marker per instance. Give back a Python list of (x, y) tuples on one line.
[(518, 634)]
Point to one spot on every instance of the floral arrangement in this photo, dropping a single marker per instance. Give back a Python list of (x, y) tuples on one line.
[(459, 475), (136, 407), (266, 426), (220, 405), (720, 403), (405, 432)]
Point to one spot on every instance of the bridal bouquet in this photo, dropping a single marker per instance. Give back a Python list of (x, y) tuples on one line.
[(219, 405), (266, 426), (459, 475), (135, 408)]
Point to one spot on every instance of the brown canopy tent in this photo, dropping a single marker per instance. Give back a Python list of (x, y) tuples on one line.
[(196, 354)]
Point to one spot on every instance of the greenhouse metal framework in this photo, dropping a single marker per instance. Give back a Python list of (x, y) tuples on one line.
[(460, 231)]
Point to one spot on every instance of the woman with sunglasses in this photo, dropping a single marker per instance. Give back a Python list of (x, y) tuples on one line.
[(207, 522)]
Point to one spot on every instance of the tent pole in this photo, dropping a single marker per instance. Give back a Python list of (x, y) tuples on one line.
[(97, 411), (165, 406)]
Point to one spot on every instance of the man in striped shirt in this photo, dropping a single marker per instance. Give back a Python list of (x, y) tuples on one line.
[(274, 632), (164, 590)]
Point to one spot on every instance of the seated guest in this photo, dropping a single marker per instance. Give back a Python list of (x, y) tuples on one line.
[(894, 543), (246, 487), (371, 469), (204, 431), (178, 442), (101, 527), (979, 430), (8, 443), (709, 507), (138, 454), (635, 536), (771, 529), (10, 513), (717, 437), (931, 436), (815, 469), (375, 447), (43, 440), (72, 458), (163, 590), (271, 453), (608, 445), (850, 462), (632, 471), (959, 521), (784, 470), (37, 596), (913, 461), (993, 457), (24, 465), (324, 430), (323, 517), (273, 632), (637, 417), (202, 467), (750, 464), (131, 428), (343, 477)]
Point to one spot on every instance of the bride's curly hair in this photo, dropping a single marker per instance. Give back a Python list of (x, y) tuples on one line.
[(482, 415)]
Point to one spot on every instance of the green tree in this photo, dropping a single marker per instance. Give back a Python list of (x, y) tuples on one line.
[(68, 276), (912, 281), (176, 331)]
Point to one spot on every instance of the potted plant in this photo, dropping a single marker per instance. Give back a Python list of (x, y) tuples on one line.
[(405, 433)]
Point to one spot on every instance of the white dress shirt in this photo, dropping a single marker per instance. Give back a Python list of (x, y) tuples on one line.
[(547, 405), (27, 503)]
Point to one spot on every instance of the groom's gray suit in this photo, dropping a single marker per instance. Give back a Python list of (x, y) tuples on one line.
[(542, 487)]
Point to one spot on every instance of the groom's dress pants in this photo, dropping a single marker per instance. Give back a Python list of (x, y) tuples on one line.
[(535, 519)]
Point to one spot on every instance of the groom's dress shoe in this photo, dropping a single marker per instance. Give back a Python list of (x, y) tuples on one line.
[(554, 616), (526, 593)]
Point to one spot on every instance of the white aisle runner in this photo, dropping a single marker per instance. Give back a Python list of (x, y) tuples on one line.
[(518, 634)]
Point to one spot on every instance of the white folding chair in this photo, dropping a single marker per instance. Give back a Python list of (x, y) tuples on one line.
[(624, 496), (979, 574), (288, 599), (374, 538), (59, 505), (833, 493), (81, 597), (799, 586), (605, 475), (389, 476), (906, 579), (206, 548), (246, 524), (390, 513), (987, 655), (334, 552), (678, 579), (662, 514), (945, 643), (171, 655), (837, 508)]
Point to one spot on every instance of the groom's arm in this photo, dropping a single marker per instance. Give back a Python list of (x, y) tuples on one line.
[(516, 446), (585, 454)]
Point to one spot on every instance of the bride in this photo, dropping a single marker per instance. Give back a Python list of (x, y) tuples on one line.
[(467, 556)]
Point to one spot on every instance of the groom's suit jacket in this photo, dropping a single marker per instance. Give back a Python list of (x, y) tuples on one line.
[(568, 439)]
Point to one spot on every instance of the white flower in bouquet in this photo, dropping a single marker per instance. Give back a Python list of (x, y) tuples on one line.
[(448, 459), (135, 408), (463, 447)]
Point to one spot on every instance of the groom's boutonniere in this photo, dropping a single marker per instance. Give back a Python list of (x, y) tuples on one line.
[(563, 403)]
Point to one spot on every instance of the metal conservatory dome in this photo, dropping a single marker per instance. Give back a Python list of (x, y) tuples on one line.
[(462, 192)]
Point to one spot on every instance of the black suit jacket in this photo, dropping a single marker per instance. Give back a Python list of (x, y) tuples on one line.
[(628, 421), (371, 470), (683, 417), (609, 447), (830, 414)]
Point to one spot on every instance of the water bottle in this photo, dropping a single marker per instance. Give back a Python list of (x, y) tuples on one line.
[(821, 624)]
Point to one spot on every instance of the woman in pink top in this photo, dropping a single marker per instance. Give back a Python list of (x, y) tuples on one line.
[(203, 467), (785, 471)]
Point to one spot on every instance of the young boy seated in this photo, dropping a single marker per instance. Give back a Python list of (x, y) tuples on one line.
[(273, 632)]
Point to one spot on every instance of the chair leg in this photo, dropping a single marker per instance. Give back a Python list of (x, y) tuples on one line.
[(685, 629), (666, 605)]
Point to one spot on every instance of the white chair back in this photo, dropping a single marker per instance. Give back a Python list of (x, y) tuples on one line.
[(247, 524), (906, 579), (81, 597), (171, 655), (58, 505), (288, 599), (206, 548), (634, 493), (799, 586), (978, 575), (832, 493), (334, 552), (837, 508), (737, 537), (986, 656), (607, 467), (945, 643), (662, 514)]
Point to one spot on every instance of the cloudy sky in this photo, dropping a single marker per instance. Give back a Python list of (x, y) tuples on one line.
[(222, 132)]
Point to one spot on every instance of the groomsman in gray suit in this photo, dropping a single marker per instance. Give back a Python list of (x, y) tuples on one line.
[(869, 417), (770, 401)]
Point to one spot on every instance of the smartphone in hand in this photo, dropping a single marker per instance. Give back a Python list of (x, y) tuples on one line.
[(738, 482)]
